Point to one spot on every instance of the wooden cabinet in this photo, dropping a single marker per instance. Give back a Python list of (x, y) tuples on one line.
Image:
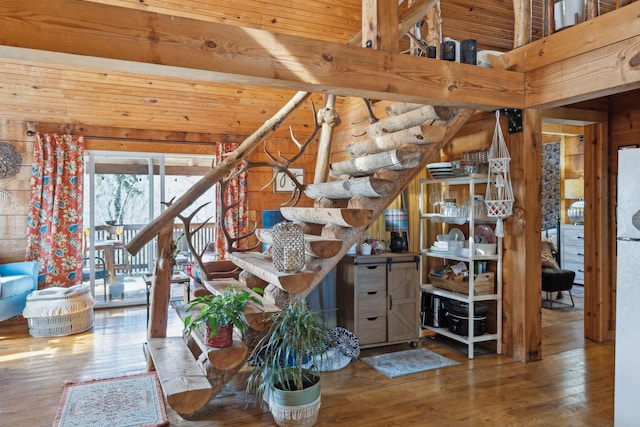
[(572, 250), (379, 298)]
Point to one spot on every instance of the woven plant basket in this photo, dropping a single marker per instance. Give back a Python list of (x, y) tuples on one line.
[(287, 251)]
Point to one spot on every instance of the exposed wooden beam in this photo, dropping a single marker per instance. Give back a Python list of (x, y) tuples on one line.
[(114, 38), (606, 71)]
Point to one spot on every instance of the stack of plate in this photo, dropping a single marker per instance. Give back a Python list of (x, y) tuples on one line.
[(441, 170), (440, 247)]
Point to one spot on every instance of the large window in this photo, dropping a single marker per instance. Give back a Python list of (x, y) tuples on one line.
[(123, 193)]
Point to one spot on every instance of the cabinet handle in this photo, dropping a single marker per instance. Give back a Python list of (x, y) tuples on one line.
[(580, 237), (390, 302), (372, 318), (580, 254), (372, 293)]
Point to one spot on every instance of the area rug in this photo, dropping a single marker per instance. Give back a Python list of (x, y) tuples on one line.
[(408, 362), (131, 401)]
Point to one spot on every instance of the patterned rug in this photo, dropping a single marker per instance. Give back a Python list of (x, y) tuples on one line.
[(131, 401), (408, 362)]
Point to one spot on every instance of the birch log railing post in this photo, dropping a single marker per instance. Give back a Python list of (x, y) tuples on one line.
[(329, 119), (215, 175)]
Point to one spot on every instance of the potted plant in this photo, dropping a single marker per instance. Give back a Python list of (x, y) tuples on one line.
[(219, 314), (286, 374)]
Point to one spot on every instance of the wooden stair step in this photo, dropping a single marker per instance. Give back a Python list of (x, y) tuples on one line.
[(343, 217), (346, 189), (225, 358), (416, 135), (254, 313), (409, 119), (315, 246), (184, 384), (262, 266), (368, 165)]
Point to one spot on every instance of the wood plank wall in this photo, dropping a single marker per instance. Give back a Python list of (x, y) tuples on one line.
[(13, 212)]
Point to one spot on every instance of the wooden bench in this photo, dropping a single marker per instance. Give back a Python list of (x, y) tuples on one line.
[(184, 383)]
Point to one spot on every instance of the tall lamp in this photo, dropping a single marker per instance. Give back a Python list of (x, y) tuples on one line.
[(574, 189), (396, 221)]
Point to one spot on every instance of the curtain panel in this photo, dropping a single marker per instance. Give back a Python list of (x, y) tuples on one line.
[(54, 222), (234, 196)]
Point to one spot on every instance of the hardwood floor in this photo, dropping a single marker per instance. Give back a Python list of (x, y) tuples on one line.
[(571, 386)]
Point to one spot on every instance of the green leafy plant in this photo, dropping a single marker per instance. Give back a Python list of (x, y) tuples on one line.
[(220, 310), (285, 356)]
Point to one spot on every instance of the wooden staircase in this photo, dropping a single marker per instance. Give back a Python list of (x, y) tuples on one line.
[(393, 151)]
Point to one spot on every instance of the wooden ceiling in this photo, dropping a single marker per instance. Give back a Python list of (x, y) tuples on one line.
[(87, 99)]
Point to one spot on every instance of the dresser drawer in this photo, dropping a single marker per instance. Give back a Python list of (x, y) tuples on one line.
[(371, 278), (573, 238), (573, 254), (371, 304), (578, 267), (372, 330)]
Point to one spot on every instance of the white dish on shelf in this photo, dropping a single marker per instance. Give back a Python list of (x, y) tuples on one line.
[(485, 248), (440, 170), (440, 250), (484, 234), (456, 234)]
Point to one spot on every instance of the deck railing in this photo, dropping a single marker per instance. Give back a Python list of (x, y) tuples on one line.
[(144, 260)]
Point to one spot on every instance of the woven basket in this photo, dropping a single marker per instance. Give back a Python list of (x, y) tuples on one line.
[(56, 312), (59, 326), (482, 285)]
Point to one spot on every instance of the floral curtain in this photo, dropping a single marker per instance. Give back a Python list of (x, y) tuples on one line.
[(236, 220), (54, 222)]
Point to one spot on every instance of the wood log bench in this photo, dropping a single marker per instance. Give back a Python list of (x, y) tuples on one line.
[(184, 384)]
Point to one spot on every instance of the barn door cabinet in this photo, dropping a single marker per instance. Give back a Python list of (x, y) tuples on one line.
[(379, 298)]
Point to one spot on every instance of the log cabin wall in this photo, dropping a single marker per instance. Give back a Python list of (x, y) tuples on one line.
[(13, 211)]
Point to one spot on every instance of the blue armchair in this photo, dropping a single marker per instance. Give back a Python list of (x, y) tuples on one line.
[(17, 280)]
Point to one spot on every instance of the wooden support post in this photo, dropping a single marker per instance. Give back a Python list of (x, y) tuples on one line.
[(161, 285), (380, 25), (329, 119), (522, 274)]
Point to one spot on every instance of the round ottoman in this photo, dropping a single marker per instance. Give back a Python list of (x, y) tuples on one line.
[(55, 312)]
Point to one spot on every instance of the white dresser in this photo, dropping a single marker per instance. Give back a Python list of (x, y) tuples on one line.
[(572, 250)]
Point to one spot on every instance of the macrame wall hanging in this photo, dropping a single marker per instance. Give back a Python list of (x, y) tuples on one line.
[(499, 195)]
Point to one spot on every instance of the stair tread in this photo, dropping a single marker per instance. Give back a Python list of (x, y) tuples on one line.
[(183, 382), (344, 217), (262, 266), (316, 246)]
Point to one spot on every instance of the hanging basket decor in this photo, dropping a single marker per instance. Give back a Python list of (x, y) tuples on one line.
[(10, 160), (287, 251), (499, 196)]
